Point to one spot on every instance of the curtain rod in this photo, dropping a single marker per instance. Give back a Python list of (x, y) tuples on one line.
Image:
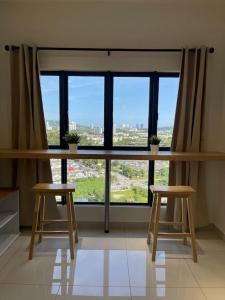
[(108, 50)]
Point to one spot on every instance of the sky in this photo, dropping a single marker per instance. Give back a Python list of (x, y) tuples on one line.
[(131, 94)]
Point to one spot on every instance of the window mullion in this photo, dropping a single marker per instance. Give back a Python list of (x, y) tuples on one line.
[(153, 118), (108, 111), (63, 123)]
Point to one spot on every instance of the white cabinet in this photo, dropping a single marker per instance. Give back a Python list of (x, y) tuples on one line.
[(9, 218)]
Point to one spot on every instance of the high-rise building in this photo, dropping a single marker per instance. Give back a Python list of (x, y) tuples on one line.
[(72, 125), (48, 127), (114, 127)]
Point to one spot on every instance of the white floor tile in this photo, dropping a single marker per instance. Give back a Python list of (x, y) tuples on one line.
[(169, 272), (162, 292), (27, 292), (39, 270), (210, 270), (86, 292), (211, 246), (89, 268), (101, 268), (117, 243), (136, 243), (114, 266), (214, 293), (117, 268)]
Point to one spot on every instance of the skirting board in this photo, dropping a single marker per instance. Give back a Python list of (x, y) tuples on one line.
[(220, 233), (126, 225)]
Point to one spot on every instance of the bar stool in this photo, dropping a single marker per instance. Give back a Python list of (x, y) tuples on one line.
[(184, 193), (41, 191)]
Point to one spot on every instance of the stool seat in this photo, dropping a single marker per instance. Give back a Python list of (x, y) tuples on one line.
[(172, 190), (53, 188)]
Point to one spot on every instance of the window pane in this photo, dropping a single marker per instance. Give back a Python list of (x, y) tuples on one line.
[(56, 173), (86, 108), (130, 111), (168, 89), (129, 181), (161, 176), (50, 98), (89, 177)]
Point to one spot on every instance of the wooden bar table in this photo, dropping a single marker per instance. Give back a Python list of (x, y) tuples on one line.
[(109, 155)]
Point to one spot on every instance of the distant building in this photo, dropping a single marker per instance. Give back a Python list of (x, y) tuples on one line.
[(141, 126), (125, 126), (114, 128), (72, 125), (48, 127), (99, 130)]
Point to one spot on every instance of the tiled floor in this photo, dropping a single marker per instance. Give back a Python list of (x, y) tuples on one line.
[(113, 266)]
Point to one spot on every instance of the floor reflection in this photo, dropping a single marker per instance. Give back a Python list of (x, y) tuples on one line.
[(160, 273), (108, 273)]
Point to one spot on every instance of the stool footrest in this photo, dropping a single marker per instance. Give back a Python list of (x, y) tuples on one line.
[(53, 220), (170, 223), (173, 234), (52, 231)]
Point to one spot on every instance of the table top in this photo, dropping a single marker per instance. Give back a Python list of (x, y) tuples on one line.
[(111, 154)]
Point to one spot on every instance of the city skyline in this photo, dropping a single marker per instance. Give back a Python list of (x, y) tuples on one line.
[(75, 125)]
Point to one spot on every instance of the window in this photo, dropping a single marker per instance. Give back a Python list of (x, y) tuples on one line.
[(168, 89), (86, 108), (50, 98), (89, 176), (110, 111), (167, 100), (129, 181), (130, 111), (56, 173)]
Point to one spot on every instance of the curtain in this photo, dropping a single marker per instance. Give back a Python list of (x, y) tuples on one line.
[(187, 131), (28, 129)]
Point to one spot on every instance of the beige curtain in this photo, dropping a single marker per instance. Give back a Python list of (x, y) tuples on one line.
[(28, 129), (187, 131)]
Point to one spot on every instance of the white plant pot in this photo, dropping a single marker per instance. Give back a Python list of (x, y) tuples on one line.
[(154, 149), (73, 147)]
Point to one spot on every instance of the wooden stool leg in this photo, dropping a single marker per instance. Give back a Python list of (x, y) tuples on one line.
[(184, 218), (156, 227), (35, 224), (42, 217), (192, 228), (74, 218), (70, 225), (151, 218)]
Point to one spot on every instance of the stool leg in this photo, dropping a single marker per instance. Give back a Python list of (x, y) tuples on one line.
[(151, 218), (42, 217), (156, 227), (35, 223), (192, 228), (70, 226), (73, 217), (184, 218)]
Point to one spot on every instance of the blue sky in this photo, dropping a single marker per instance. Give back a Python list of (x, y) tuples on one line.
[(86, 100)]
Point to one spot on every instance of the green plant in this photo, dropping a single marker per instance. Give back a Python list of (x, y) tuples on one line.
[(154, 140), (72, 137)]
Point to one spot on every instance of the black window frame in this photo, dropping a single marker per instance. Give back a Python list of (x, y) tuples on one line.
[(154, 78)]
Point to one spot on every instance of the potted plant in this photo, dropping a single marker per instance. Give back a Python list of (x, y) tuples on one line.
[(72, 138), (154, 144)]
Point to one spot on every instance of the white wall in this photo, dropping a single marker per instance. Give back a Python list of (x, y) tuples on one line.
[(147, 24)]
